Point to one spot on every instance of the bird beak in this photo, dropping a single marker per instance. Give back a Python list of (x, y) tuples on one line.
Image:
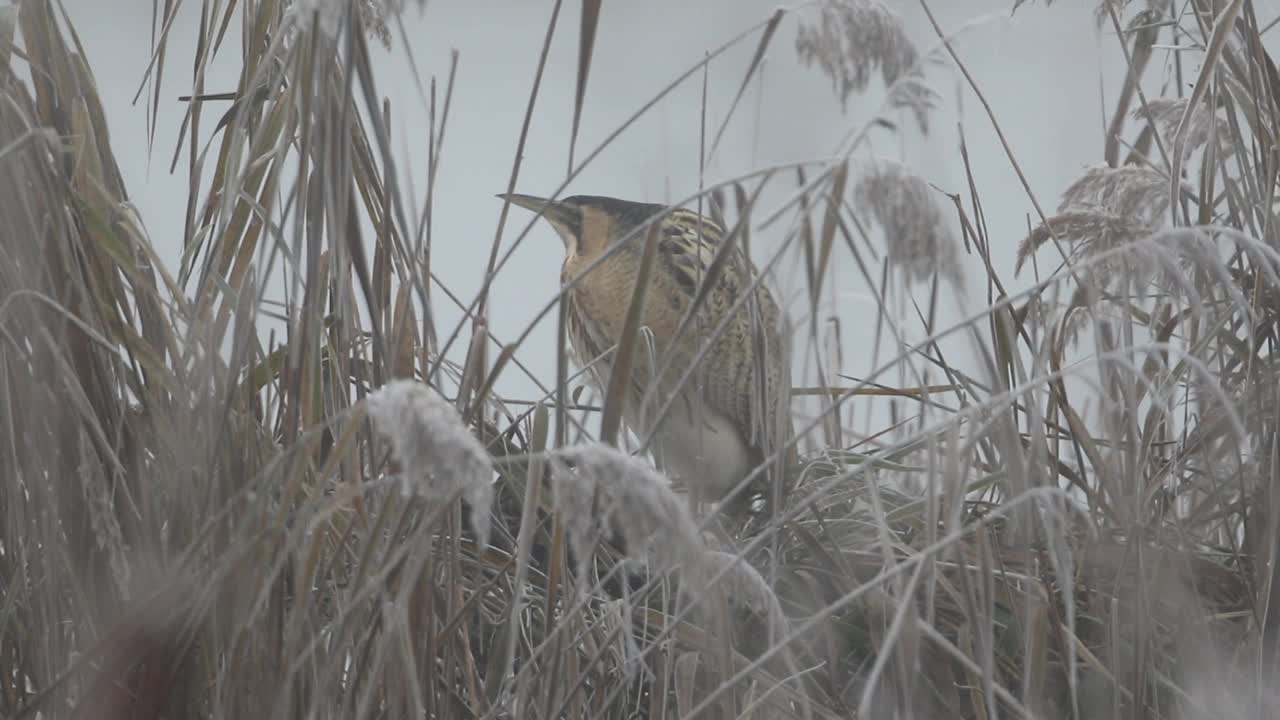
[(564, 217), (551, 210)]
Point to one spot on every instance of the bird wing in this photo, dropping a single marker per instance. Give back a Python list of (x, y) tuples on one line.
[(730, 382), (687, 247)]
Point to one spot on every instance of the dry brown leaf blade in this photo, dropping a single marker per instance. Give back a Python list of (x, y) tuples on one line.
[(1222, 27), (756, 59), (586, 46), (830, 220), (620, 377)]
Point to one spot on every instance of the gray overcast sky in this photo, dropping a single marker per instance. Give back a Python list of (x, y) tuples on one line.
[(1045, 71)]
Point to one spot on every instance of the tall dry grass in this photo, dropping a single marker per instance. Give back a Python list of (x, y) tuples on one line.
[(342, 519)]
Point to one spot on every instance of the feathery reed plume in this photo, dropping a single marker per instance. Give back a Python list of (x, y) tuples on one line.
[(1101, 11), (851, 38), (919, 241), (606, 489), (373, 16), (746, 589), (1105, 208), (1166, 114), (437, 454), (1108, 207), (1085, 231), (1131, 190), (1153, 11)]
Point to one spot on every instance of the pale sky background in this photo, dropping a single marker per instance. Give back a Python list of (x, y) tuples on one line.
[(1049, 75)]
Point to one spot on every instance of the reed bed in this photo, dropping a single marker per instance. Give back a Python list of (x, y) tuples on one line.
[(342, 518)]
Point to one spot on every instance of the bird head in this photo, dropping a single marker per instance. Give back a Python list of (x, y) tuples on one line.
[(589, 223)]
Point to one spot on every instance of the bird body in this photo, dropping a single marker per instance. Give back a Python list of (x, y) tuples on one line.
[(719, 420)]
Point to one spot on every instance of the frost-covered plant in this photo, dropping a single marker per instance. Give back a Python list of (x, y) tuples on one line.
[(599, 489), (438, 456), (919, 241)]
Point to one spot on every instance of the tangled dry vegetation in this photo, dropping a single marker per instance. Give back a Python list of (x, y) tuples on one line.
[(343, 519)]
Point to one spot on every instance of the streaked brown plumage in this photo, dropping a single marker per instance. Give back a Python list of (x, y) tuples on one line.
[(716, 430)]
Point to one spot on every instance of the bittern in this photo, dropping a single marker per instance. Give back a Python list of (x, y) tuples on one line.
[(722, 415)]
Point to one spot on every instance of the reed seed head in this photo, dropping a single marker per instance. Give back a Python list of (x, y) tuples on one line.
[(598, 488), (918, 239), (437, 454), (850, 39)]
